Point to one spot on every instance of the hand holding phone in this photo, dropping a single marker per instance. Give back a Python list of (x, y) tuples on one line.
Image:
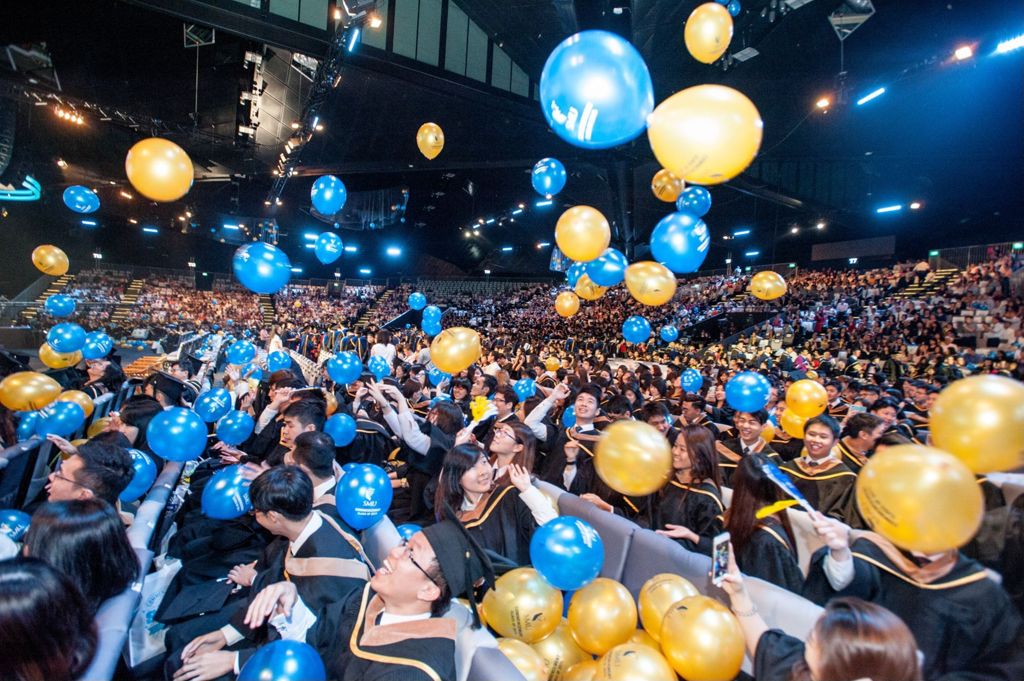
[(720, 558)]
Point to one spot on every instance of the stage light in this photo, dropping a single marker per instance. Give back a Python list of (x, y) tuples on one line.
[(353, 40), (126, 195), (89, 223), (310, 245), (487, 271), (337, 274), (890, 209), (1010, 45), (506, 249), (319, 127), (191, 264), (542, 204), (133, 221), (310, 236), (752, 254), (915, 205), (337, 14), (61, 163), (820, 225), (543, 244), (181, 218), (267, 202), (517, 211), (963, 52), (467, 233), (792, 265), (230, 226), (365, 271), (522, 205), (1017, 245), (295, 125), (874, 94), (278, 201), (150, 230), (393, 251), (376, 21), (489, 221), (823, 103), (740, 232), (97, 256), (727, 237), (351, 249), (794, 230), (297, 270)]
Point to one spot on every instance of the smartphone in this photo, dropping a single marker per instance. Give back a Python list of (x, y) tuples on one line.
[(719, 558)]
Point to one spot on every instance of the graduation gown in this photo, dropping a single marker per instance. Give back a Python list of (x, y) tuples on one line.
[(776, 655), (829, 487), (697, 507), (853, 460), (707, 423), (730, 451), (770, 556), (503, 523)]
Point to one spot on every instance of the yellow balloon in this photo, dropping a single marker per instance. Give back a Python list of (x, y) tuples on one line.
[(792, 422), (768, 432), (582, 233), (633, 458), (767, 285), (806, 398), (332, 402), (666, 186), (633, 662), (581, 671), (588, 290), (96, 427), (454, 349), (430, 140), (28, 391), (650, 283), (552, 364), (567, 303), (58, 360), (559, 651), (79, 442), (812, 374), (708, 32), (602, 615), (79, 398), (525, 659), (980, 420), (523, 605), (641, 637), (657, 595), (702, 640), (49, 259), (920, 498), (706, 134), (159, 169)]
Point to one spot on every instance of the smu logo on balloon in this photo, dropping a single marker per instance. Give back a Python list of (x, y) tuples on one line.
[(587, 533)]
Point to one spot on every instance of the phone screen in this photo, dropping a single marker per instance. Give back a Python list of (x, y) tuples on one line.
[(719, 558)]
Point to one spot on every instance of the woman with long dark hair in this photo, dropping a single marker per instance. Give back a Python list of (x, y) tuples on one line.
[(689, 508), (104, 376), (513, 443)]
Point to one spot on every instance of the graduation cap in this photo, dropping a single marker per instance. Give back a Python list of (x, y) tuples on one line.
[(463, 562), (174, 388)]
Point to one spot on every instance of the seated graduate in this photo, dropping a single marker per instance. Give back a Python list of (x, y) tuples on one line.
[(313, 453), (689, 508), (656, 414), (574, 470), (860, 433), (820, 476), (505, 402), (513, 443), (133, 419), (97, 470), (694, 412), (744, 439)]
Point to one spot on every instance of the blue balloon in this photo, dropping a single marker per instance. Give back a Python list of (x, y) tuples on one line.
[(573, 274), (680, 242), (344, 368), (27, 425), (525, 388), (60, 418), (432, 313), (143, 476), (691, 380), (81, 199), (669, 333), (176, 434), (235, 428), (66, 337), (607, 269), (548, 176), (284, 661), (747, 391), (636, 329), (431, 328), (437, 377), (341, 428), (417, 300), (569, 416), (213, 404), (278, 360), (14, 523), (240, 352), (59, 305), (695, 200), (349, 466), (407, 530), (252, 370), (226, 495), (328, 195), (439, 398), (596, 91), (328, 247), (261, 267), (97, 345), (734, 7), (568, 552), (364, 495), (379, 367)]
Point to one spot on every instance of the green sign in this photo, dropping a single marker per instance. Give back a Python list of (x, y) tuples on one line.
[(933, 254)]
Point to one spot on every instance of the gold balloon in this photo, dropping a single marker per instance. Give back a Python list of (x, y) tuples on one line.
[(980, 420), (806, 398), (657, 595), (49, 259), (567, 303), (332, 402), (28, 391), (708, 32), (159, 169), (633, 458), (552, 364), (96, 427), (430, 140), (588, 290), (559, 651), (525, 659), (455, 349), (79, 442), (79, 398), (641, 637), (650, 283), (523, 605), (920, 498), (792, 422), (767, 285), (602, 615), (768, 432), (582, 233), (58, 360), (666, 186), (633, 662), (702, 640), (706, 134), (581, 671)]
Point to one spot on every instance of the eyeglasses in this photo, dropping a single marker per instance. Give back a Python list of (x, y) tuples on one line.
[(73, 482), (408, 551)]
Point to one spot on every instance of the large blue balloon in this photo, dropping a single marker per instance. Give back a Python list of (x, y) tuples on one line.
[(81, 199), (417, 300), (596, 91), (278, 360), (432, 313), (568, 552), (669, 333), (748, 391), (548, 176), (734, 7), (143, 476), (235, 428), (328, 247), (379, 367), (636, 329), (569, 416), (226, 495), (432, 327), (691, 380), (328, 195), (694, 200), (14, 523), (284, 661), (66, 337), (252, 370), (261, 267), (27, 425), (407, 530), (680, 242), (60, 418), (97, 345), (176, 434), (607, 269), (59, 305), (437, 377), (240, 352), (525, 388), (573, 274), (341, 428), (364, 495), (213, 404), (344, 368)]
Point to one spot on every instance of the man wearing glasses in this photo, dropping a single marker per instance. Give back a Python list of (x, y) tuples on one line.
[(95, 470)]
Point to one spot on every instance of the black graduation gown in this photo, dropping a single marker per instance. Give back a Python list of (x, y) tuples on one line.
[(775, 656), (828, 487), (707, 423), (503, 523), (696, 507), (372, 444), (788, 448), (854, 461), (730, 451), (770, 556), (485, 431)]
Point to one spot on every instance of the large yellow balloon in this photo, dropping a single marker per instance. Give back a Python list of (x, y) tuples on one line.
[(806, 398), (552, 364), (767, 285), (567, 303), (650, 283), (430, 140), (702, 640), (708, 32), (79, 398), (98, 426), (666, 186), (706, 134), (559, 651), (582, 233), (920, 498), (657, 595), (792, 422), (641, 637), (332, 402), (58, 360), (523, 605), (454, 349), (159, 169), (525, 659), (28, 391), (633, 458), (581, 671), (980, 420), (602, 615), (768, 432), (49, 259), (587, 289), (633, 662)]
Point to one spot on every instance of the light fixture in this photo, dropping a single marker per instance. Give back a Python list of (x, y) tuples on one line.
[(740, 232), (1010, 45), (295, 125), (468, 233), (823, 103), (852, 261), (337, 274), (297, 270), (915, 205), (310, 245), (874, 94), (337, 14), (133, 221), (191, 264), (181, 218), (890, 209), (487, 271), (231, 226), (517, 211), (752, 254), (278, 201), (963, 52), (728, 261), (351, 249), (820, 225), (506, 249), (393, 251), (727, 237), (375, 21), (794, 230), (365, 270), (522, 205), (543, 244), (61, 163), (319, 127), (89, 223), (542, 204), (150, 230), (126, 194), (489, 221), (353, 40), (97, 255), (480, 220), (310, 236)]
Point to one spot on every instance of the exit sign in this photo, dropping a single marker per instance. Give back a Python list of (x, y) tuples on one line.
[(932, 254)]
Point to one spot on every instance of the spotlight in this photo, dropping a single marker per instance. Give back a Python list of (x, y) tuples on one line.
[(295, 125), (191, 264), (543, 244), (376, 21), (365, 271), (874, 94), (506, 249), (393, 251), (487, 271), (1010, 45), (752, 254), (820, 225), (740, 232), (97, 256), (150, 230), (133, 221), (915, 205), (278, 201), (823, 103), (337, 274), (794, 230), (542, 204), (963, 52), (895, 208), (297, 270), (89, 223), (126, 194), (337, 14), (319, 127), (351, 249), (353, 40), (61, 163)]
